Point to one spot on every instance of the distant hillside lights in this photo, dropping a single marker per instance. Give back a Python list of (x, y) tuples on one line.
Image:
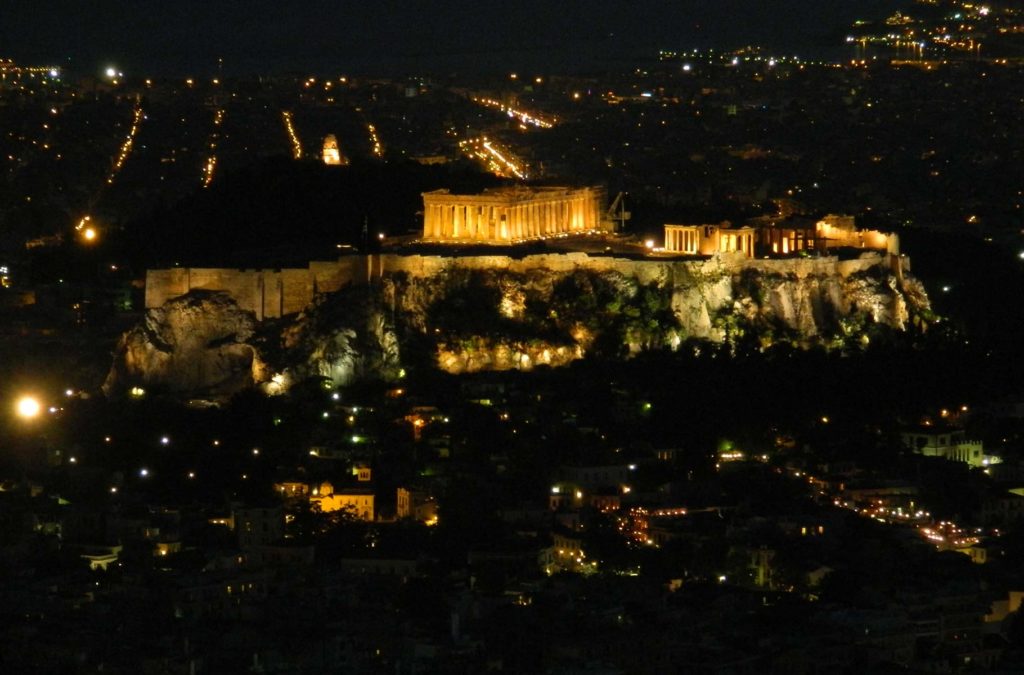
[(375, 147), (126, 147), (289, 127), (86, 230)]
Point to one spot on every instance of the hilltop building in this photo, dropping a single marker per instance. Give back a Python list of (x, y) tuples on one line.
[(332, 153), (709, 239), (947, 442), (509, 215), (356, 500), (767, 236)]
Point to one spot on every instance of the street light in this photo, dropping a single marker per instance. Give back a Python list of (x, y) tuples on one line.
[(28, 407)]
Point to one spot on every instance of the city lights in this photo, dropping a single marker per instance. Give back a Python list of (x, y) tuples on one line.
[(516, 113), (737, 401), (289, 128), (211, 162), (126, 146), (375, 146), (28, 407), (498, 160)]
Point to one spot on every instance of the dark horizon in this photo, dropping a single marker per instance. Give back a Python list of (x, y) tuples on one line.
[(158, 38)]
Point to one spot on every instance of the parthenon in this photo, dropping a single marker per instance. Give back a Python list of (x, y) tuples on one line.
[(507, 215)]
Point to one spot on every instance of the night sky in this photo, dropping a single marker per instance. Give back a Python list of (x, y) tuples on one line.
[(167, 37)]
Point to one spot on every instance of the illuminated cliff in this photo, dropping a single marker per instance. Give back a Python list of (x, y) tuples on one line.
[(493, 313)]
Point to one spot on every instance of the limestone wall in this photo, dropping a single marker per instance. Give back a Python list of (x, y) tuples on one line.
[(275, 293)]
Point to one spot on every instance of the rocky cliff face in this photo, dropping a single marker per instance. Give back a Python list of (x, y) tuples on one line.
[(198, 344), (807, 305), (463, 318), (344, 337)]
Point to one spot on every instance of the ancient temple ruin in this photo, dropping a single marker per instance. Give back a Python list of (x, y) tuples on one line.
[(508, 215)]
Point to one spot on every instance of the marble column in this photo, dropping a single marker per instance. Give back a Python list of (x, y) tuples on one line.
[(513, 224)]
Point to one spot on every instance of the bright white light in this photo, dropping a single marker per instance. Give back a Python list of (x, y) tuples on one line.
[(54, 72), (164, 440), (143, 472), (111, 72), (28, 407)]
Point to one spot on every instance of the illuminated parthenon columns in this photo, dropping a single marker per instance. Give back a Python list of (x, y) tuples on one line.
[(511, 214), (709, 239)]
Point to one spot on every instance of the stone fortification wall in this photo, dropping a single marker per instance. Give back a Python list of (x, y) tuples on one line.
[(269, 293), (275, 293), (644, 271)]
